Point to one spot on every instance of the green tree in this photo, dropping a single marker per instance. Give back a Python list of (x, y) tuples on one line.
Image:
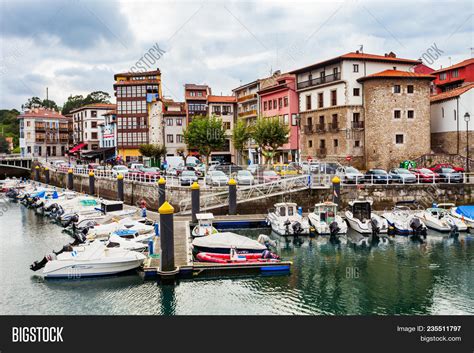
[(97, 97), (73, 102), (9, 124), (205, 134), (4, 145), (155, 152), (77, 101), (36, 102), (240, 137), (270, 134)]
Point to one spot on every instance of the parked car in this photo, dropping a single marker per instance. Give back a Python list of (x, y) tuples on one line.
[(296, 166), (228, 168), (449, 175), (402, 175), (377, 176), (350, 175), (270, 175), (425, 175), (216, 177), (244, 177), (187, 177), (149, 172), (447, 165), (255, 168), (309, 167), (134, 165), (284, 170), (119, 169)]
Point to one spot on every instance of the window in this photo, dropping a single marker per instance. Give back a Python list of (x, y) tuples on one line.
[(179, 138), (169, 138), (442, 112), (93, 124), (226, 125), (334, 72), (356, 92), (322, 144), (356, 117), (356, 143), (320, 100), (455, 73), (179, 122), (442, 76), (270, 104), (333, 97), (285, 119), (410, 89), (274, 104), (94, 113), (454, 114), (397, 89), (199, 94), (410, 114), (285, 101), (399, 139), (280, 103), (310, 143), (265, 105), (397, 114), (169, 122), (294, 120), (355, 67), (336, 143), (308, 102)]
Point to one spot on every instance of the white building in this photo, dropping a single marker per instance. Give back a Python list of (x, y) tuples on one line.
[(86, 125), (224, 108), (448, 128), (174, 116)]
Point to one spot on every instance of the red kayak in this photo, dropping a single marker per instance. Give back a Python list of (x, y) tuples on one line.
[(226, 258)]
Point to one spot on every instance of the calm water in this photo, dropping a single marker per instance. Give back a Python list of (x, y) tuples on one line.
[(401, 278)]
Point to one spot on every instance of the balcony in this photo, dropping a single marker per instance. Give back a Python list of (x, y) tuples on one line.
[(63, 127), (357, 124), (333, 127), (321, 152), (40, 139), (320, 127), (319, 81), (308, 129), (40, 127), (248, 113), (247, 97)]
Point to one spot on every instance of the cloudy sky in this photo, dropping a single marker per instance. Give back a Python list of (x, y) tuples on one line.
[(76, 46)]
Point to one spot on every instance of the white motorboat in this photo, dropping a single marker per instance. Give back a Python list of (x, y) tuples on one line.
[(104, 230), (325, 214), (95, 259), (204, 226), (402, 221), (441, 220), (361, 218), (221, 243), (133, 235), (465, 213), (285, 220)]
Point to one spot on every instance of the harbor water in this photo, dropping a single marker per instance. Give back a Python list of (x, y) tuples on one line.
[(400, 278)]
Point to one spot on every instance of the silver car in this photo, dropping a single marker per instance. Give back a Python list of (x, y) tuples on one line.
[(245, 177), (401, 175), (216, 177), (350, 175)]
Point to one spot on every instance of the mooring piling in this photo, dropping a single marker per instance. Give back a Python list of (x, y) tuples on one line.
[(232, 197), (195, 201)]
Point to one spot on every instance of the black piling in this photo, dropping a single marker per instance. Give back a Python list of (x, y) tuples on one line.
[(70, 180), (232, 197), (37, 173), (120, 194), (167, 267), (46, 176), (91, 183), (336, 190), (195, 201), (161, 191)]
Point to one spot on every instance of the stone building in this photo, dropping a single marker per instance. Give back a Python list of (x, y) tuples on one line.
[(397, 117), (331, 104)]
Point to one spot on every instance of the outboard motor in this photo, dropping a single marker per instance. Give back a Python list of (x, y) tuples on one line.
[(374, 223), (37, 265), (287, 227), (297, 229), (454, 232), (73, 219), (265, 240), (333, 230), (418, 229)]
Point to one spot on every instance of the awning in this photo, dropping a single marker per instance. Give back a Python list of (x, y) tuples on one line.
[(100, 152), (77, 147)]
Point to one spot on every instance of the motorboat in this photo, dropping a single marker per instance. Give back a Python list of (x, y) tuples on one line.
[(360, 217), (221, 243), (325, 214), (286, 220), (402, 221), (235, 257), (441, 220), (465, 213), (95, 259), (204, 226), (132, 234), (141, 226)]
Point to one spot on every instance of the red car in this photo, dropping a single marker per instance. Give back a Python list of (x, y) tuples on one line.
[(447, 165), (145, 173), (270, 175), (425, 175)]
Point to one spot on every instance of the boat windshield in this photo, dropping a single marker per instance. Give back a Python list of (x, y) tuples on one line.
[(326, 213), (361, 210), (291, 211), (282, 212)]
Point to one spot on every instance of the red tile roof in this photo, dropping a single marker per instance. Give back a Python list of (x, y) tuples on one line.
[(396, 74), (42, 113), (452, 93), (455, 66), (136, 82), (359, 56), (108, 106), (221, 99), (138, 74)]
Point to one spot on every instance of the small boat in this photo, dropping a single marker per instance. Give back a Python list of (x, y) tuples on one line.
[(402, 221), (235, 257), (95, 259), (360, 217), (465, 213), (142, 226), (286, 220), (133, 234), (221, 243), (325, 214), (204, 226), (441, 220)]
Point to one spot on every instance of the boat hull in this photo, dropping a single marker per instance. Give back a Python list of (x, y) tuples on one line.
[(72, 269)]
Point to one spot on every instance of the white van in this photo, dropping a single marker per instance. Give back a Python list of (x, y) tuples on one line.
[(174, 161)]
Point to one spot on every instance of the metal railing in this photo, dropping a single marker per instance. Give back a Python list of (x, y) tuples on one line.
[(319, 80)]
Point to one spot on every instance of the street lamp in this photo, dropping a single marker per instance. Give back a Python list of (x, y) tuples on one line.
[(467, 117), (298, 127)]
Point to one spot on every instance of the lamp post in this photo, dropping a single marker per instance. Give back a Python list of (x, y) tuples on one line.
[(467, 117), (298, 127)]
